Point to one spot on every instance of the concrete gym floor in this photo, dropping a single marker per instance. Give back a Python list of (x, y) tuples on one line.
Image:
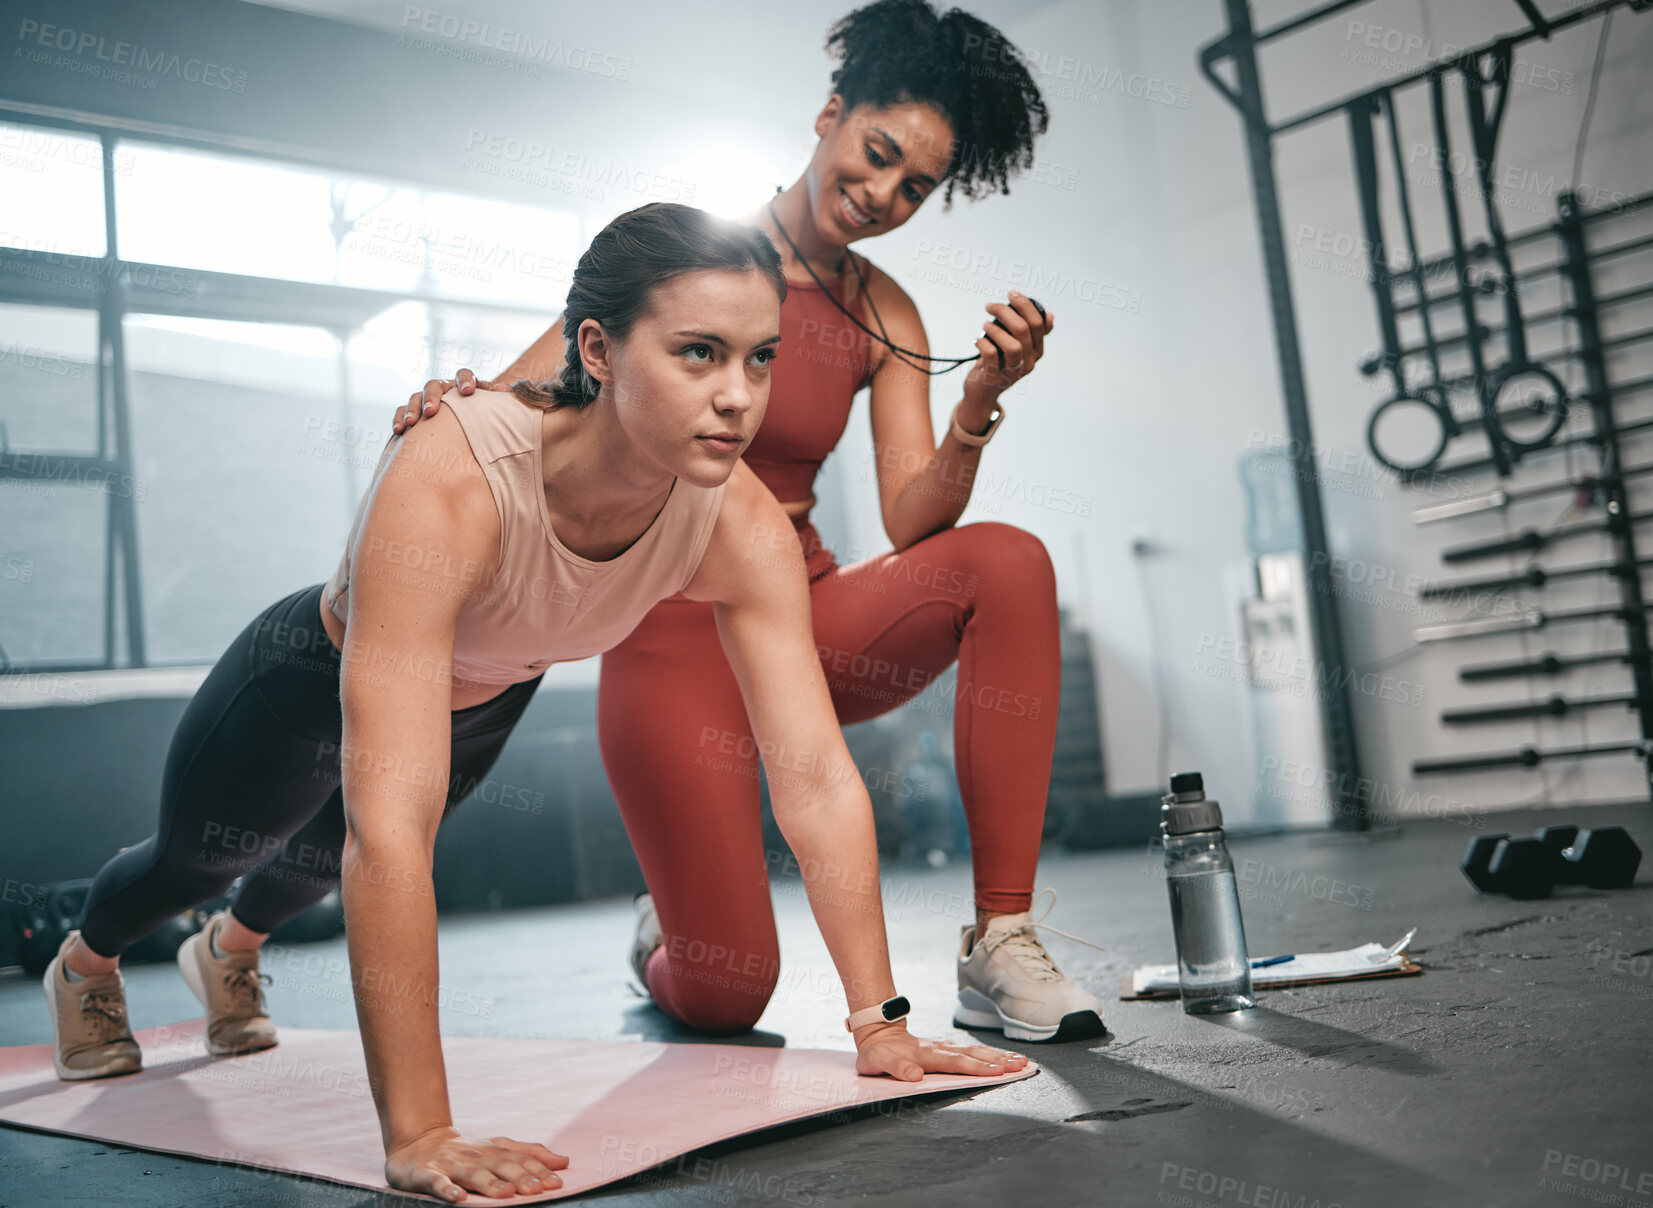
[(1514, 1071)]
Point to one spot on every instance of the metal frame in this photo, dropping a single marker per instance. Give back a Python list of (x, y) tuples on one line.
[(123, 287), (1238, 48)]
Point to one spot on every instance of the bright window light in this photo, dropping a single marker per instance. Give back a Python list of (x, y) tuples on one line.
[(224, 215), (731, 181), (52, 183)]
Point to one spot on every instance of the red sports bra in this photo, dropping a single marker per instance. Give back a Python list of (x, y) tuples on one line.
[(823, 360)]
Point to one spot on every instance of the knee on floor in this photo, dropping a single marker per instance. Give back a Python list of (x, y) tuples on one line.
[(730, 1015), (732, 1005)]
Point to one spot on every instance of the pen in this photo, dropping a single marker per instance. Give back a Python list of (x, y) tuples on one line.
[(1273, 960)]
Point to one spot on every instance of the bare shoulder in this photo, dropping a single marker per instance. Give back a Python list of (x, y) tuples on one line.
[(433, 489), (752, 533)]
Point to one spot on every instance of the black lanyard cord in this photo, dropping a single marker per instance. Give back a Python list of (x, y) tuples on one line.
[(882, 336)]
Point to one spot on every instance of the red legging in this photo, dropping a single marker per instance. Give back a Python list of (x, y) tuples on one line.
[(679, 753)]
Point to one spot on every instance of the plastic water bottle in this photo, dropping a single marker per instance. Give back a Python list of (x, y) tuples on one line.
[(1212, 964)]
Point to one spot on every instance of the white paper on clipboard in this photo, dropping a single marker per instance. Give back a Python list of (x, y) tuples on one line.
[(1328, 966)]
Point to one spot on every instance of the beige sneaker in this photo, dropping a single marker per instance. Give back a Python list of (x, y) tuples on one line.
[(230, 988), (1008, 982), (646, 938), (89, 1027)]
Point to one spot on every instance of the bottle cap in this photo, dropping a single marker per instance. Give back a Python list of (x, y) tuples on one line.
[(1185, 810)]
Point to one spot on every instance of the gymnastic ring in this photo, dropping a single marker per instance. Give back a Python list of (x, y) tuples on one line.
[(1446, 426), (1508, 374)]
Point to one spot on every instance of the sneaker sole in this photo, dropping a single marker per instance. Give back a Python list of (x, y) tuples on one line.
[(979, 1011), (190, 966), (639, 958), (115, 1068)]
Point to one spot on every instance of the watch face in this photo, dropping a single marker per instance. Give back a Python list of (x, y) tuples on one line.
[(896, 1007)]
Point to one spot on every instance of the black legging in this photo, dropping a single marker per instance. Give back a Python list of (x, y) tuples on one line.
[(252, 785)]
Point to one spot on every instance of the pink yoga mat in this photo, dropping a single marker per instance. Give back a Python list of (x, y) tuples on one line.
[(304, 1106)]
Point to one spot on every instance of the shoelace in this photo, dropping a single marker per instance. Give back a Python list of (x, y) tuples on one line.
[(107, 1013), (243, 985), (1021, 942)]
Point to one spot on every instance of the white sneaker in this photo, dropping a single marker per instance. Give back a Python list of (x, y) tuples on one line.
[(90, 1035), (647, 938), (1008, 982), (230, 987)]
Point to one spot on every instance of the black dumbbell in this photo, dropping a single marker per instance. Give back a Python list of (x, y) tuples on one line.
[(1604, 858), (1532, 868), (1524, 868), (1478, 860)]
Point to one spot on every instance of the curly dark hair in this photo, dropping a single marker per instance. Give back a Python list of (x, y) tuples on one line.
[(901, 51)]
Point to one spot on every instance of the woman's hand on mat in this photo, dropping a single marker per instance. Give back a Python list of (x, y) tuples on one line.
[(420, 405), (1013, 342), (443, 1163), (888, 1048)]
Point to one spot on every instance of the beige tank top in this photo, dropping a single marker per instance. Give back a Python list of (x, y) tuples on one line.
[(544, 603)]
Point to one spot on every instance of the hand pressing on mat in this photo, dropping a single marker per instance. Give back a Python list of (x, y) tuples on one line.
[(443, 1163), (888, 1048)]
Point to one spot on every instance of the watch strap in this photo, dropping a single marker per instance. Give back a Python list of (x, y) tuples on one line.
[(971, 439), (887, 1011)]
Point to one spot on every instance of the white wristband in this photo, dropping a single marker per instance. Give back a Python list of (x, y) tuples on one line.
[(971, 439)]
